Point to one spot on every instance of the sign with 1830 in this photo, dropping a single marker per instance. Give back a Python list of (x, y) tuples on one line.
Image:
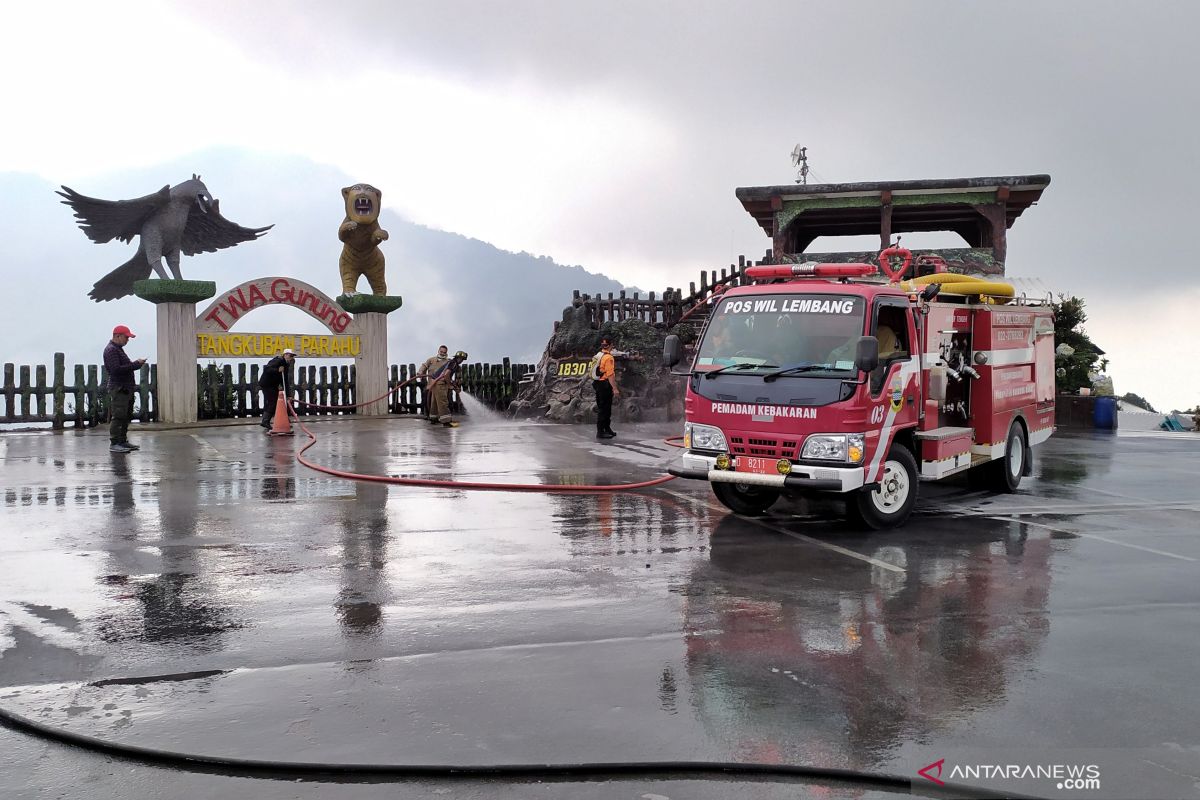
[(572, 369)]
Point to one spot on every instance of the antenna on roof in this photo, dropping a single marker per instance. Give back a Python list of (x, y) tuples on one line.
[(800, 159)]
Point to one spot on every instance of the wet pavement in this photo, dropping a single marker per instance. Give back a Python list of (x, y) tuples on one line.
[(210, 595)]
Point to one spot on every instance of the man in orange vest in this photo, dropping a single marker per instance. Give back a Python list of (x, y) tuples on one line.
[(604, 381)]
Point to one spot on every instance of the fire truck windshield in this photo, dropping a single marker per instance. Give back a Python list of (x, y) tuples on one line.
[(763, 333)]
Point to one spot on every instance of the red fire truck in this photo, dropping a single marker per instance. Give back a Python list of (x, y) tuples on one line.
[(829, 378)]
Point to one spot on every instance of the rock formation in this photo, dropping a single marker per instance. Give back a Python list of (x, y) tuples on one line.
[(561, 390)]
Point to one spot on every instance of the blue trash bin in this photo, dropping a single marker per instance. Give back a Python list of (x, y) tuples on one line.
[(1104, 415)]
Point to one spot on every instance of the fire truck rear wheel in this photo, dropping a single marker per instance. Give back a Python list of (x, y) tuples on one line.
[(1004, 474), (890, 503), (741, 498)]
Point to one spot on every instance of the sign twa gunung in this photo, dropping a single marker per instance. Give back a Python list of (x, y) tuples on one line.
[(213, 337)]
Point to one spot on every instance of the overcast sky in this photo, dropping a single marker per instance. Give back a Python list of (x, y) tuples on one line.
[(613, 134)]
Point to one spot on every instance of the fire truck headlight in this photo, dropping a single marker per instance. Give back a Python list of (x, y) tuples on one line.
[(825, 447), (704, 437), (855, 450)]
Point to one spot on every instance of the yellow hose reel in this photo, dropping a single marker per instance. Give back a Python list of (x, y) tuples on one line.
[(953, 283)]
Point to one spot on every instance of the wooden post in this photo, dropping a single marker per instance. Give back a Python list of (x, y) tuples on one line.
[(227, 392), (416, 395), (395, 399), (241, 406), (885, 220), (97, 394), (143, 393), (80, 419), (154, 391), (10, 394), (304, 390), (255, 393), (60, 391), (204, 387), (24, 393), (40, 390), (509, 386)]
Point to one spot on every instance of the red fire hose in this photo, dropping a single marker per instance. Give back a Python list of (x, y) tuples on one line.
[(393, 390), (466, 485)]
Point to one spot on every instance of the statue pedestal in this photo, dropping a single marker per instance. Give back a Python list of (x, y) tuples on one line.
[(176, 301), (371, 364)]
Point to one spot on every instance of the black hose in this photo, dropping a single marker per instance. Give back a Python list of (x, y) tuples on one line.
[(381, 773)]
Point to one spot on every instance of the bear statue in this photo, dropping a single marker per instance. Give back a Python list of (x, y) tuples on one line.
[(360, 235)]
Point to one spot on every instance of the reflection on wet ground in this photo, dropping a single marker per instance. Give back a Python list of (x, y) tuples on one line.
[(211, 593)]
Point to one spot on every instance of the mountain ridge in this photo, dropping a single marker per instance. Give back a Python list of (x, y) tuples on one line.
[(458, 290)]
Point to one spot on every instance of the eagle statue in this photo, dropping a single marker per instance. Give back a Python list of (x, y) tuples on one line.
[(175, 219)]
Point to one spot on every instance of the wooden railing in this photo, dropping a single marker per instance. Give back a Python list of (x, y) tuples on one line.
[(495, 385), (82, 402), (40, 396), (666, 311)]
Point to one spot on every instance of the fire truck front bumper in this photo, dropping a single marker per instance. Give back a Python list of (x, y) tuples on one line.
[(802, 477)]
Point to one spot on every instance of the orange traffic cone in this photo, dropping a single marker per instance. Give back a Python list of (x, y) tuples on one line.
[(281, 423)]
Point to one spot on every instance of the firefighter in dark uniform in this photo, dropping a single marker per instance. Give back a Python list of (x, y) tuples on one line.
[(276, 375)]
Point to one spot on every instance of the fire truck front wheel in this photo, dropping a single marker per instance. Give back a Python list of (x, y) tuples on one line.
[(891, 501), (743, 499)]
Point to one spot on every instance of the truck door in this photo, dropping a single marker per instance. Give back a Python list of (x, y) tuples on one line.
[(891, 324)]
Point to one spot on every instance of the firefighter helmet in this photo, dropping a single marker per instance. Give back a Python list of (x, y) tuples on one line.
[(460, 355)]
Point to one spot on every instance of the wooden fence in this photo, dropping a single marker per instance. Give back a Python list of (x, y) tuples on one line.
[(39, 396), (664, 312)]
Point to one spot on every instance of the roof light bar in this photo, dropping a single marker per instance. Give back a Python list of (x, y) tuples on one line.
[(811, 270)]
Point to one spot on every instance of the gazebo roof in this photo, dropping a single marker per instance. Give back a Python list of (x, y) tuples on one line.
[(848, 209)]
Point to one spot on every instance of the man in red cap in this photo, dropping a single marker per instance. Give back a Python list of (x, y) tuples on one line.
[(121, 387)]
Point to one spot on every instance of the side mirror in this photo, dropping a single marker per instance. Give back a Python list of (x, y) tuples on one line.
[(866, 356), (930, 291), (672, 351)]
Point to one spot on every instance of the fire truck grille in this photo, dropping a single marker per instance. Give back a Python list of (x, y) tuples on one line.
[(766, 448)]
